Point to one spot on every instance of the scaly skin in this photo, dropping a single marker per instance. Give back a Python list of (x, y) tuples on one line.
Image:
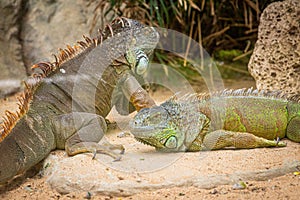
[(240, 119), (57, 119)]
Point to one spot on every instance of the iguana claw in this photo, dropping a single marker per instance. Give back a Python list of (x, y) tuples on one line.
[(94, 154), (277, 141), (122, 151), (117, 159)]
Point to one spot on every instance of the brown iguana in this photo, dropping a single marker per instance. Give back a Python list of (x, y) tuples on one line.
[(241, 119), (49, 116)]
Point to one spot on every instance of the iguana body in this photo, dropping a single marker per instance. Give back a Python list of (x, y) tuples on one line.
[(49, 116), (241, 119)]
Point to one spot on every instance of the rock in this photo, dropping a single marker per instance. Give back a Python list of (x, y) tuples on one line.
[(31, 31), (275, 62), (157, 170), (214, 191), (11, 65), (52, 24), (239, 186)]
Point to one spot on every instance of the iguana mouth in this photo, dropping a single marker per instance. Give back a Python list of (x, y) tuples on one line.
[(145, 131), (143, 141), (142, 129)]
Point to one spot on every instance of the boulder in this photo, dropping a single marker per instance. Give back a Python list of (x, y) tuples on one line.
[(52, 24), (31, 31), (144, 169), (275, 62), (11, 63)]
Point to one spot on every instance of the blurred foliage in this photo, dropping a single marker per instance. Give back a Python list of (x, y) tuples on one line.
[(227, 29), (227, 55), (232, 63), (225, 24)]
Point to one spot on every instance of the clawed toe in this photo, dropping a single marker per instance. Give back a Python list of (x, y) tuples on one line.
[(117, 159), (280, 143), (122, 151), (277, 141), (94, 154)]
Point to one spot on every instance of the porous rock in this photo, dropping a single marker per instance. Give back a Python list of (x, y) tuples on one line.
[(275, 62)]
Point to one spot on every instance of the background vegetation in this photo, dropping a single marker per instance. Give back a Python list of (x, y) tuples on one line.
[(227, 29)]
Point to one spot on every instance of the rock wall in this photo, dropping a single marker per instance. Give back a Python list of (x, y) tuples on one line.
[(11, 61), (275, 62), (33, 30)]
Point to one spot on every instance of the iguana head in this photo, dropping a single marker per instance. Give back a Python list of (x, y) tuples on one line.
[(169, 127), (142, 41)]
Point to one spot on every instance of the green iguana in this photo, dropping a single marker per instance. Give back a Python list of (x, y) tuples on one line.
[(231, 118), (46, 117)]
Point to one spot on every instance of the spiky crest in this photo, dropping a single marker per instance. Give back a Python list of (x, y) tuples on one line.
[(44, 69), (238, 92)]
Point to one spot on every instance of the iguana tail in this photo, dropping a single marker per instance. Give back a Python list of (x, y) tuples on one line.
[(22, 149)]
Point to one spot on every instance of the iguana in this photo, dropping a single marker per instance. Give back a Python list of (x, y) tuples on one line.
[(243, 118), (46, 118)]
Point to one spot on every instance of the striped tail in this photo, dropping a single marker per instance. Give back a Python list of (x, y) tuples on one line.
[(22, 149)]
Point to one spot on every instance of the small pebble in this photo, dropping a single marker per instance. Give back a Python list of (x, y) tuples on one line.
[(214, 191), (28, 188), (123, 134), (239, 186), (88, 195), (181, 194)]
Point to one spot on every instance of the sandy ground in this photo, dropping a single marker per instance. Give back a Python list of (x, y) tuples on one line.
[(283, 187)]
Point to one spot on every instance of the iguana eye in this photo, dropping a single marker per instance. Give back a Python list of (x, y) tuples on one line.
[(171, 142)]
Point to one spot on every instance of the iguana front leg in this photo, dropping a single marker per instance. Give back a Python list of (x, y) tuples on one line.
[(220, 139), (80, 132), (135, 93)]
